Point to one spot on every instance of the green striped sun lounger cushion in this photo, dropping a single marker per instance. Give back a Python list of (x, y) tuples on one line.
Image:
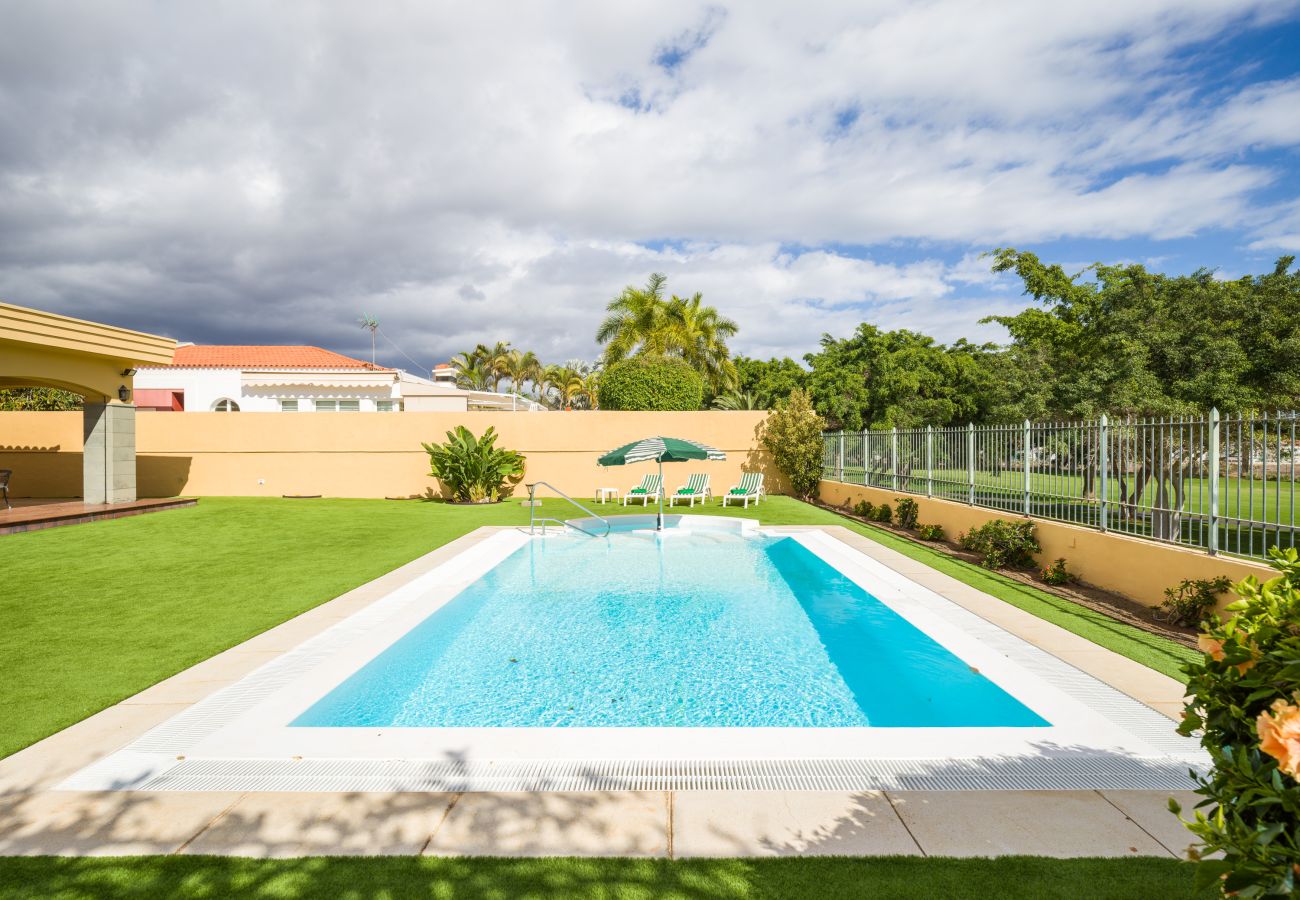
[(649, 485), (750, 482)]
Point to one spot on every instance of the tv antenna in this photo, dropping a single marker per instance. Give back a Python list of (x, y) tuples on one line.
[(370, 323)]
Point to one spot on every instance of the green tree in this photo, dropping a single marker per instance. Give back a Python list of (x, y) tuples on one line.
[(792, 433), (642, 322), (769, 380), (1122, 340), (651, 383), (34, 399)]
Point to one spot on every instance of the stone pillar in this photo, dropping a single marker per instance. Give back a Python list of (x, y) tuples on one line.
[(108, 453)]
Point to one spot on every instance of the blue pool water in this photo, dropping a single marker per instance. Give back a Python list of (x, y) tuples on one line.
[(705, 630)]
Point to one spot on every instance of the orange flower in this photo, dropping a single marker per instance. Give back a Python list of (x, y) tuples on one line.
[(1279, 736), (1209, 645)]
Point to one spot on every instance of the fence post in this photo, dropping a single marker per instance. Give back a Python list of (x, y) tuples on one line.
[(1025, 448), (929, 460), (893, 456), (839, 457), (1103, 463), (1214, 480), (970, 463)]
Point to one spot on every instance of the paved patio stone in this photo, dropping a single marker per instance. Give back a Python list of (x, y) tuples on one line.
[(787, 823), (1150, 810), (308, 824), (624, 823), (53, 759), (1036, 823), (72, 823)]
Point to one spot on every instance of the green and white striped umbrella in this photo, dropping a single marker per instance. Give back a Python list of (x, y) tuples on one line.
[(660, 450)]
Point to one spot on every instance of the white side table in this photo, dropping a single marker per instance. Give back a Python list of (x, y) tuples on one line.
[(603, 494)]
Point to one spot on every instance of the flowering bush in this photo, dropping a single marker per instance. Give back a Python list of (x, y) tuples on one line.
[(1244, 698), (1056, 573)]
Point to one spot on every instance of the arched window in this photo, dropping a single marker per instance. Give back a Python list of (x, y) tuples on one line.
[(225, 404)]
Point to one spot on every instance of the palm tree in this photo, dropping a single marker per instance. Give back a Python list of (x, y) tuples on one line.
[(641, 322), (700, 334), (519, 367), (738, 400), (637, 320)]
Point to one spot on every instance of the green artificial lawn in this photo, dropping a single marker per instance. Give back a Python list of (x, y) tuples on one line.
[(95, 613), (1007, 878)]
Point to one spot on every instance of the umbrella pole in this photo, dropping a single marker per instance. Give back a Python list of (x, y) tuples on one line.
[(660, 525)]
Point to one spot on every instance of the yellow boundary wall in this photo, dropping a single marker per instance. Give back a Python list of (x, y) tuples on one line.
[(367, 454), (1137, 568)]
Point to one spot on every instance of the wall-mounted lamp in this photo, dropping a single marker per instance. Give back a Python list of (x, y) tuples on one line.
[(123, 393), (128, 373)]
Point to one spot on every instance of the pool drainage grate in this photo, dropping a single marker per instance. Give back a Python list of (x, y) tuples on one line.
[(997, 774)]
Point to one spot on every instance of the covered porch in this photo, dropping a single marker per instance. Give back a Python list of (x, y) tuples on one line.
[(97, 361)]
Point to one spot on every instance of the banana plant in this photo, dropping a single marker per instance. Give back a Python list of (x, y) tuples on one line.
[(474, 470)]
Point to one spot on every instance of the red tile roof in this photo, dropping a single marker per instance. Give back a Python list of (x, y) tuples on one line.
[(259, 356)]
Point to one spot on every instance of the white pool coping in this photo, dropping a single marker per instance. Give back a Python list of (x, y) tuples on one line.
[(239, 738)]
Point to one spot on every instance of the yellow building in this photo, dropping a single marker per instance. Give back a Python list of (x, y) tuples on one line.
[(41, 349)]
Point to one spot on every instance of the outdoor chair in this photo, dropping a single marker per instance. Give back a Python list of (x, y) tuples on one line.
[(750, 488), (697, 486), (4, 485), (649, 489)]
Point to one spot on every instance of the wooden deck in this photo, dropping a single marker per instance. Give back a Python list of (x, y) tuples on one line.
[(31, 515)]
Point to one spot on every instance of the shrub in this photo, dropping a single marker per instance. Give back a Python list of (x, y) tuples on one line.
[(1244, 698), (884, 513), (1001, 543), (1188, 603), (865, 509), (930, 532), (792, 433), (1056, 573), (907, 511), (474, 470), (650, 383)]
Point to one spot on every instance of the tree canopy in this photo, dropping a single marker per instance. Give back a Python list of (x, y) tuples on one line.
[(1111, 339)]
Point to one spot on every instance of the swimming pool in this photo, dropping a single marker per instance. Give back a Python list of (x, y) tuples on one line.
[(716, 655), (642, 630)]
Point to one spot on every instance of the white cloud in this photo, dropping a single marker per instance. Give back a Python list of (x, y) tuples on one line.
[(248, 171)]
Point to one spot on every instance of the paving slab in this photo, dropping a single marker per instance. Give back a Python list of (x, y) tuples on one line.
[(1035, 823), (614, 823), (787, 823), (75, 823), (310, 824), (53, 759), (1150, 810)]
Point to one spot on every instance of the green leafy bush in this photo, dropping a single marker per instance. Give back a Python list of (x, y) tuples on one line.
[(474, 470), (884, 513), (865, 509), (1056, 573), (907, 511), (650, 383), (1002, 544), (792, 433), (930, 532), (1244, 699), (1188, 603)]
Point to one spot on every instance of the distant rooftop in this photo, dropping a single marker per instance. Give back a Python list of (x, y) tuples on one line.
[(265, 356)]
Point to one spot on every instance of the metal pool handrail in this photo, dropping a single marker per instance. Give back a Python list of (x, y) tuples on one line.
[(533, 518)]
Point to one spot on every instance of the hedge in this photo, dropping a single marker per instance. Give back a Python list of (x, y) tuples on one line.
[(651, 384)]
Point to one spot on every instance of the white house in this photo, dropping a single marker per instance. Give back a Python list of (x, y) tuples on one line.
[(262, 378)]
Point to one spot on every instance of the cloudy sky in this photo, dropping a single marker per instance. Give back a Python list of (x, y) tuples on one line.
[(267, 172)]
